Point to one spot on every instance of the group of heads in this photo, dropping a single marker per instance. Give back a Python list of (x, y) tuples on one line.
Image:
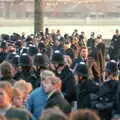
[(15, 94)]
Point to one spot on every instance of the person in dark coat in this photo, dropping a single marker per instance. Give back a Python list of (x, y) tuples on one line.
[(41, 62), (91, 41), (52, 86), (3, 51), (107, 91), (83, 56), (26, 73), (115, 47), (65, 74), (84, 86)]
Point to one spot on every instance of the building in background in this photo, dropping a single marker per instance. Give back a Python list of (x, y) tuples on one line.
[(61, 8)]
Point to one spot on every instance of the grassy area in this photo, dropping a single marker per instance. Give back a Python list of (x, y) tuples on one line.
[(47, 22)]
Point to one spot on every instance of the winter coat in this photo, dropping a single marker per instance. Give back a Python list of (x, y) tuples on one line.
[(57, 100), (68, 84), (84, 89)]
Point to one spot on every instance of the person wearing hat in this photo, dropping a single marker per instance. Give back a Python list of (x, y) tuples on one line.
[(3, 51), (26, 73), (41, 62), (114, 50), (84, 86), (65, 74), (91, 41), (107, 92)]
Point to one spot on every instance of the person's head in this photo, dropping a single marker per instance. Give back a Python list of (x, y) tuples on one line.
[(17, 99), (111, 70), (81, 71), (57, 59), (51, 84), (7, 69), (25, 62), (117, 31), (41, 61), (84, 115), (68, 60), (5, 94), (53, 114), (24, 87), (84, 52)]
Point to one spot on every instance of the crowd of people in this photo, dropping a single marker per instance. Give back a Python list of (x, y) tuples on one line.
[(49, 76)]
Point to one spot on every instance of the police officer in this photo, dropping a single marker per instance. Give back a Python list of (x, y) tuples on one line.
[(115, 46), (27, 73), (107, 92), (84, 86), (91, 41), (41, 62), (65, 74), (3, 51)]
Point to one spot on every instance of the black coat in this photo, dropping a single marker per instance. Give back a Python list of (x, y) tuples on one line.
[(115, 48), (91, 43), (29, 76), (84, 89), (68, 84), (107, 94), (57, 100)]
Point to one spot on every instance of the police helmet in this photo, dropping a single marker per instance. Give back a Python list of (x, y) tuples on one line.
[(82, 69), (112, 67), (3, 44), (41, 60), (15, 60), (58, 57), (33, 50), (25, 60), (10, 56)]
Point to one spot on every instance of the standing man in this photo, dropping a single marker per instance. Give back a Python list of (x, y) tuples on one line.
[(65, 74), (38, 98), (115, 46)]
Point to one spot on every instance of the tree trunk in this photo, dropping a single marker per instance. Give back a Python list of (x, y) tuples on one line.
[(38, 16)]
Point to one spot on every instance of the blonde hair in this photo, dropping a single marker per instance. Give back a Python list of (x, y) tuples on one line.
[(46, 73), (22, 85), (17, 92), (7, 87), (68, 60)]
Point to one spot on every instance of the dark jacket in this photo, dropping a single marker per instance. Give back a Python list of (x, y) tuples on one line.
[(91, 42), (56, 99), (18, 114), (114, 50), (29, 76), (107, 94), (84, 89), (77, 61), (68, 84)]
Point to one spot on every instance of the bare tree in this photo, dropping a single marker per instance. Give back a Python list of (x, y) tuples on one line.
[(38, 16)]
